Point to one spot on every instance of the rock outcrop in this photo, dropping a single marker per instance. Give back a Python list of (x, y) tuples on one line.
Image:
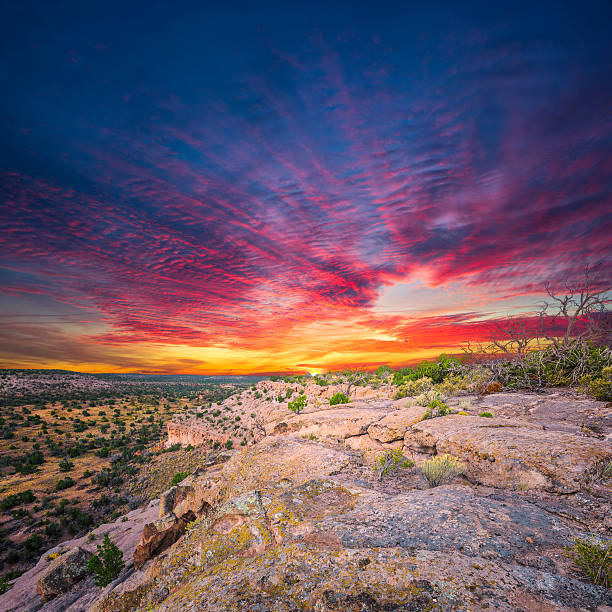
[(125, 532), (325, 546), (510, 453), (299, 521), (63, 572)]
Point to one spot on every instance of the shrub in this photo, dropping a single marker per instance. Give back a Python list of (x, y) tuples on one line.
[(437, 370), (4, 585), (606, 472), (338, 398), (436, 408), (486, 414), (441, 469), (66, 465), (64, 483), (178, 477), (492, 387), (414, 387), (391, 460), (25, 497), (465, 403), (298, 404), (453, 384), (599, 386), (424, 399), (593, 558), (107, 564)]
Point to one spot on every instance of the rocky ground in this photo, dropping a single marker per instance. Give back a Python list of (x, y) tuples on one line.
[(298, 520)]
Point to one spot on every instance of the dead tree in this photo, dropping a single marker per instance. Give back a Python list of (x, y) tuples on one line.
[(561, 333)]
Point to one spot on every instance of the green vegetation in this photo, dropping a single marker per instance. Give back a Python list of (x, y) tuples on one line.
[(17, 499), (437, 370), (436, 408), (391, 460), (298, 404), (99, 432), (107, 564), (64, 483), (4, 585), (178, 477), (594, 558), (486, 414), (441, 469), (338, 398), (598, 384)]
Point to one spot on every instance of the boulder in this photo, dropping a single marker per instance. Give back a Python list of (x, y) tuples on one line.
[(179, 500), (159, 536), (63, 573)]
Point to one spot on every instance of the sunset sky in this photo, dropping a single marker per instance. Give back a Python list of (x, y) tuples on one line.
[(266, 187)]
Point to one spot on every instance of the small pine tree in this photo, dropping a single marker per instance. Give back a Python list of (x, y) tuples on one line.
[(107, 564)]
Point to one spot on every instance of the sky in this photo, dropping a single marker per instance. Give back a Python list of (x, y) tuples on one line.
[(195, 187)]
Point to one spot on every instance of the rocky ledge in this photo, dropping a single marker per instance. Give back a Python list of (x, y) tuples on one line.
[(299, 521)]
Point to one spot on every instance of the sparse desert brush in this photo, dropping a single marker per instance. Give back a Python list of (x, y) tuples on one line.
[(453, 384), (178, 477), (414, 387), (424, 399), (492, 387), (598, 386), (441, 469), (465, 403), (606, 471), (436, 408), (594, 558), (338, 398), (477, 376), (390, 460), (486, 414)]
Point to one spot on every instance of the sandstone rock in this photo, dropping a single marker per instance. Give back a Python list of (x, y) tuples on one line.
[(336, 424), (323, 546), (194, 434), (510, 452), (179, 500), (63, 572), (125, 532), (158, 536), (394, 425)]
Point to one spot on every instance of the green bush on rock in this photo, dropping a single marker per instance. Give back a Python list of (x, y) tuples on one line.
[(441, 469), (593, 558), (298, 404), (107, 564), (338, 398)]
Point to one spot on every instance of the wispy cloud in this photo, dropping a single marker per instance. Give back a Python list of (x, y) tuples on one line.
[(333, 171)]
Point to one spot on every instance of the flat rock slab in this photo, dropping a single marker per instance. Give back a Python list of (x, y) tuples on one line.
[(322, 546), (337, 424), (393, 426), (555, 410), (511, 453)]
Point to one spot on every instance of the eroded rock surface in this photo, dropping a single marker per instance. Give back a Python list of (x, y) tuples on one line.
[(323, 546), (298, 521), (510, 452), (63, 572)]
